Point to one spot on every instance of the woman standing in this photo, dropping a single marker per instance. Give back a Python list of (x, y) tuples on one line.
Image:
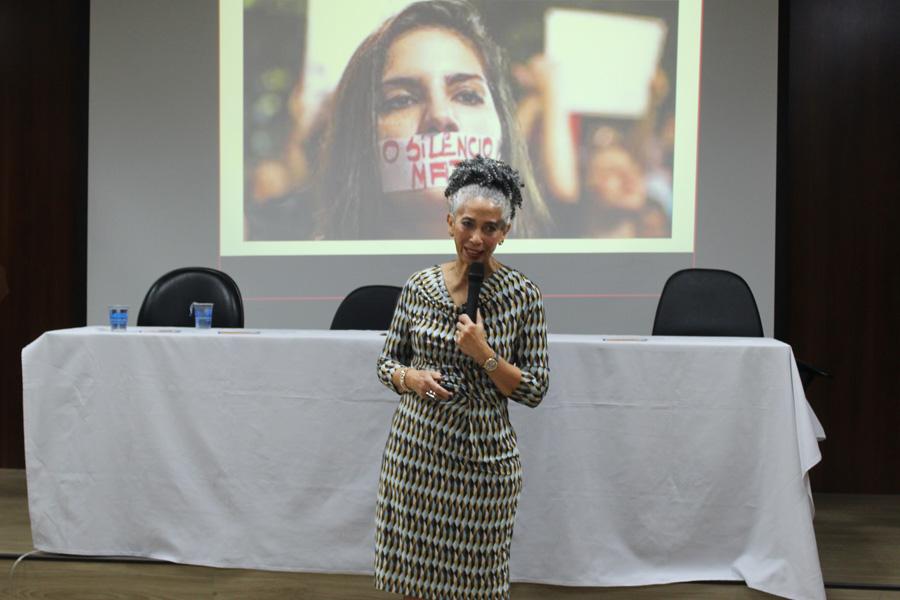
[(451, 476)]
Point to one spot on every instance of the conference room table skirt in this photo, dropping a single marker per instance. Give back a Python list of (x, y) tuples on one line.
[(651, 460)]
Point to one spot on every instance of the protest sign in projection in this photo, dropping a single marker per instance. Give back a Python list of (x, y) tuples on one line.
[(426, 160)]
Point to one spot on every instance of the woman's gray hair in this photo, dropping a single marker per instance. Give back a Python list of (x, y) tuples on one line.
[(493, 195)]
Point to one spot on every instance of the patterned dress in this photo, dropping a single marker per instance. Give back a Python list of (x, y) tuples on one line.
[(450, 475)]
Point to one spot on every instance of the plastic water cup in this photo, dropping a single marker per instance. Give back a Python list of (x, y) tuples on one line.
[(202, 312), (118, 317)]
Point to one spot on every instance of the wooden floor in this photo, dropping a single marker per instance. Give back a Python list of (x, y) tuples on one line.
[(858, 537)]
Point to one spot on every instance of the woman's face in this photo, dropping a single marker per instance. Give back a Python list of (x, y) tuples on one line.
[(616, 180), (477, 229), (433, 81)]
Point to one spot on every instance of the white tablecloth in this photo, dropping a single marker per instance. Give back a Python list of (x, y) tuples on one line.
[(650, 461)]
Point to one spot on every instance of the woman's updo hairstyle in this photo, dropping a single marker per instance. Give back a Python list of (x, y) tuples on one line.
[(480, 176)]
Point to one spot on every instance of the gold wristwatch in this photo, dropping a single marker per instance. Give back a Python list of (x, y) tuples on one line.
[(491, 364)]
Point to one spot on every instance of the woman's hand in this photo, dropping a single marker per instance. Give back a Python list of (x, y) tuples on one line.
[(426, 384), (471, 339), (472, 342)]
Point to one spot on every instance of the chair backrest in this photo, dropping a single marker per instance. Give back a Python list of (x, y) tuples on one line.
[(367, 307), (707, 302), (168, 300)]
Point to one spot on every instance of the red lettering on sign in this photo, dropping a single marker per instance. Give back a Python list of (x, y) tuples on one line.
[(445, 148), (473, 146), (461, 147), (418, 176), (438, 171), (413, 150), (390, 150)]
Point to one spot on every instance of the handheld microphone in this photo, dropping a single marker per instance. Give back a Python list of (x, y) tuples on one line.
[(476, 278)]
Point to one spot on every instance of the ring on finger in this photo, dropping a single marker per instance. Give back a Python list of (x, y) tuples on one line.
[(430, 394)]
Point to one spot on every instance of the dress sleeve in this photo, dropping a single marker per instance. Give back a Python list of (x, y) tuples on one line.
[(397, 351), (531, 354)]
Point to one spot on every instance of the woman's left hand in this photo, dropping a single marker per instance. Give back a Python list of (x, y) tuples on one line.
[(470, 336)]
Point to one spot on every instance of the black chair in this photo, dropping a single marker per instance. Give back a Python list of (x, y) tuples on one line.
[(713, 302), (707, 302), (367, 307), (169, 299)]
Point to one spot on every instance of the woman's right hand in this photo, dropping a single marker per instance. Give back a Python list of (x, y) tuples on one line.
[(426, 384)]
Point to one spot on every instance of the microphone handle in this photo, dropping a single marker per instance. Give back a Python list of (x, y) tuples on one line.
[(476, 278), (472, 300), (472, 309)]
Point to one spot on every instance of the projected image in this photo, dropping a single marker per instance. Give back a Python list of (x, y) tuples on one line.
[(355, 113)]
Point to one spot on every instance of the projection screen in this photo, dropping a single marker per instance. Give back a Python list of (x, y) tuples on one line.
[(303, 146)]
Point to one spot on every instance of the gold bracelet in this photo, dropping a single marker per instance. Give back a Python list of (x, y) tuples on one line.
[(402, 385)]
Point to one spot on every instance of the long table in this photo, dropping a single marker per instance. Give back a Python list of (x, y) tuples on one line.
[(652, 460)]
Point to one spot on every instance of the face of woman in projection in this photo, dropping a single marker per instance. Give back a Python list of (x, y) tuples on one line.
[(433, 82), (615, 179)]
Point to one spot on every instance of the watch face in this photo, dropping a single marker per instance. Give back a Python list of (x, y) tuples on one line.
[(490, 364)]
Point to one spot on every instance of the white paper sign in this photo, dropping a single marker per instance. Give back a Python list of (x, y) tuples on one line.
[(606, 61), (426, 160)]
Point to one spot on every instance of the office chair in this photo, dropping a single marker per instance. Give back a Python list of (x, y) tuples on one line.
[(367, 307), (713, 302), (168, 300), (707, 302)]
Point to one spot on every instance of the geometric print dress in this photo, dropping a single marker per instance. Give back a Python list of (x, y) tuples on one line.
[(450, 475)]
